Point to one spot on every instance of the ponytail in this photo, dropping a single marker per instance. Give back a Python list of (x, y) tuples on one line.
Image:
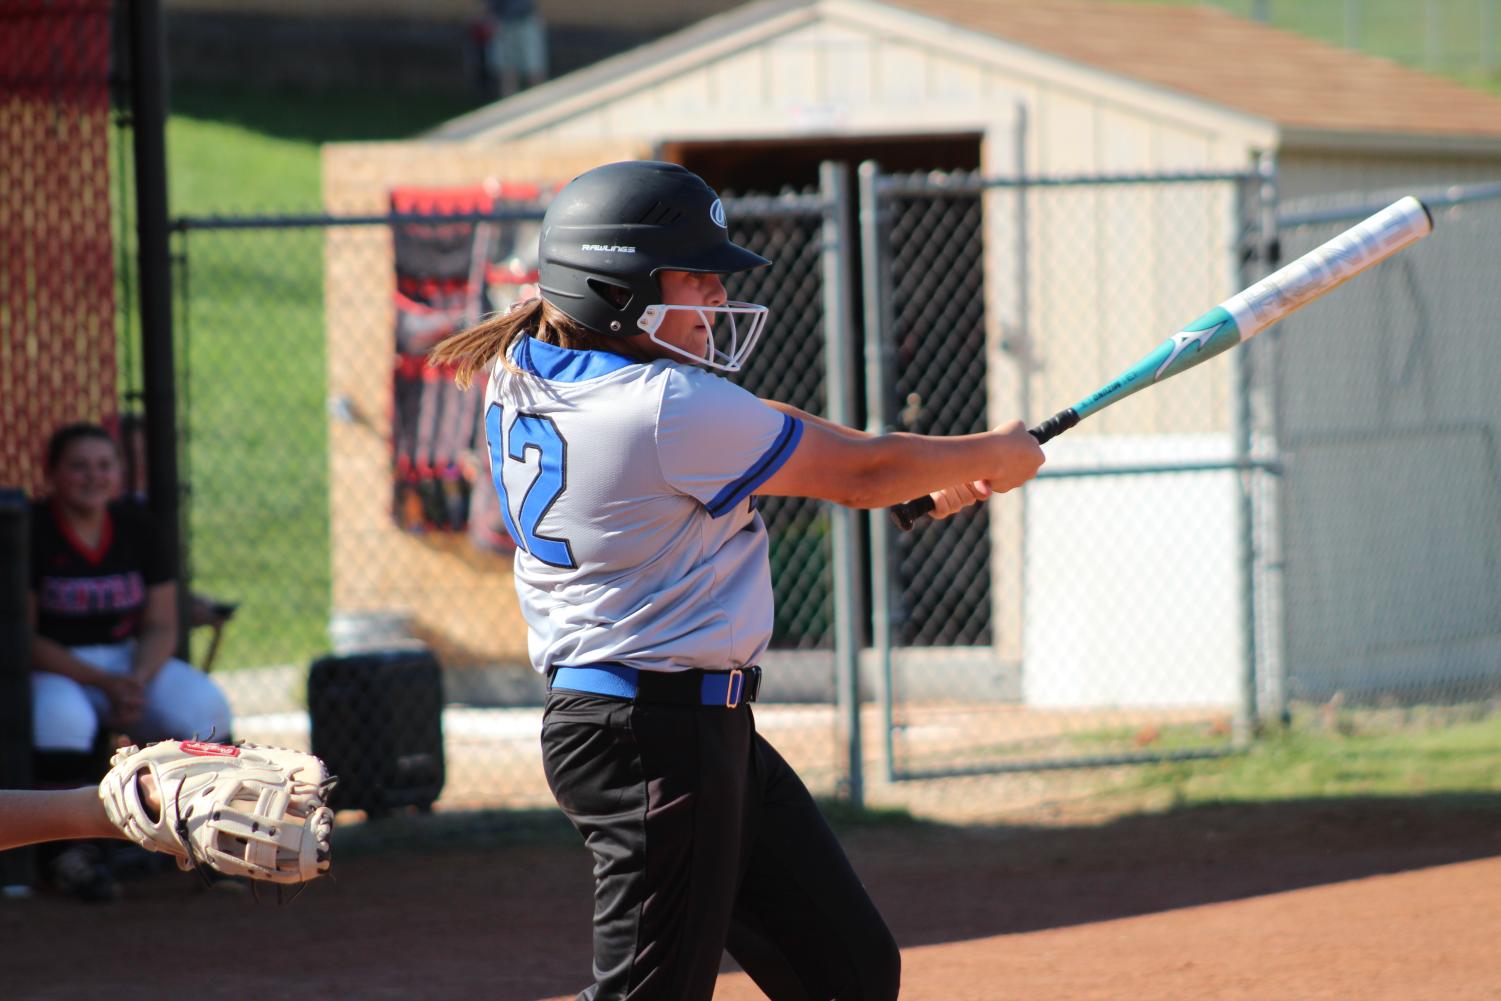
[(473, 350)]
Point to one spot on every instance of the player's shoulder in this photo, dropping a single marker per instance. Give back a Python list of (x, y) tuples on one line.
[(690, 392), (541, 369), (567, 366)]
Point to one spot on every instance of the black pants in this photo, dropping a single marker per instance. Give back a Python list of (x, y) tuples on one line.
[(705, 839)]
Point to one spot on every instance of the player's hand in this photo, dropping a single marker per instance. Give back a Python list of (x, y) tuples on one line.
[(150, 795), (1017, 457), (952, 500), (127, 699), (145, 780)]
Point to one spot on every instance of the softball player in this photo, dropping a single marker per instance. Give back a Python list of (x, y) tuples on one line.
[(103, 599), (627, 473)]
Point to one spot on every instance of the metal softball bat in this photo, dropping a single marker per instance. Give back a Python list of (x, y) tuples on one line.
[(1240, 317)]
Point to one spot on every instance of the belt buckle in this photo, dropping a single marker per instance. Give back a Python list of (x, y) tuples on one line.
[(735, 688)]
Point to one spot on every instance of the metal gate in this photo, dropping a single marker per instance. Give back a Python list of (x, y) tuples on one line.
[(1102, 615)]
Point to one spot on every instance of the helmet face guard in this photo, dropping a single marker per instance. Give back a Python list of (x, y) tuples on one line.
[(733, 330), (612, 230)]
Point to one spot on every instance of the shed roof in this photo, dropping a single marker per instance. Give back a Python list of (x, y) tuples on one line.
[(1305, 87), (1286, 78)]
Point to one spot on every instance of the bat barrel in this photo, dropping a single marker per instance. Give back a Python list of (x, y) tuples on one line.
[(1326, 267)]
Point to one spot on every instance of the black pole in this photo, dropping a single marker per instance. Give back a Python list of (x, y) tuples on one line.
[(18, 867), (158, 372)]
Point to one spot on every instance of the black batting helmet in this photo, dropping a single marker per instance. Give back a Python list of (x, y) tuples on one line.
[(611, 230)]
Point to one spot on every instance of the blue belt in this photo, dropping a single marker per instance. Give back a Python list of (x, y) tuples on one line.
[(706, 688)]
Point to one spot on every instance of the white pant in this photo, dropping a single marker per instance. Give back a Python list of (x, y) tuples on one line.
[(181, 702)]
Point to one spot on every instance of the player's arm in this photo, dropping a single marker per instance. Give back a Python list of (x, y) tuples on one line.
[(810, 419), (869, 471), (28, 817), (158, 636), (947, 501)]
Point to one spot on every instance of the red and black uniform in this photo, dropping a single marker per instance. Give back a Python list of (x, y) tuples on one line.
[(88, 596), (92, 600)]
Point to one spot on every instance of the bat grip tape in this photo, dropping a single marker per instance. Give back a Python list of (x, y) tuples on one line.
[(905, 515)]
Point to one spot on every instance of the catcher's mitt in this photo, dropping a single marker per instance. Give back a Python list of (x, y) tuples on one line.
[(242, 809)]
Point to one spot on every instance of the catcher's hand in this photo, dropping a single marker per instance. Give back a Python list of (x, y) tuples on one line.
[(242, 809)]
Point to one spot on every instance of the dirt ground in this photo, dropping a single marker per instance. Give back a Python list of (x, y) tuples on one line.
[(1375, 899)]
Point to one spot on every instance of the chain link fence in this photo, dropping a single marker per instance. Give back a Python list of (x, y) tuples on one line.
[(1462, 37), (1097, 617), (58, 283), (1389, 515), (338, 490), (1306, 526), (1309, 522)]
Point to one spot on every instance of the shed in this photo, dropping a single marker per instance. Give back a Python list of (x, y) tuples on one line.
[(756, 97)]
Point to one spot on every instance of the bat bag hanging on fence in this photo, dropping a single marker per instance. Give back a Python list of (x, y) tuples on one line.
[(449, 275)]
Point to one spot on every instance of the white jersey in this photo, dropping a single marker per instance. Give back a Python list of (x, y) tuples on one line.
[(628, 488)]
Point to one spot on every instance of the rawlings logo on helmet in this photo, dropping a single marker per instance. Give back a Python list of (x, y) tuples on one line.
[(716, 214)]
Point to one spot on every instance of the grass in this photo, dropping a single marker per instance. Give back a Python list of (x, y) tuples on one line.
[(252, 351), (1361, 755), (1430, 759), (245, 151), (1444, 36)]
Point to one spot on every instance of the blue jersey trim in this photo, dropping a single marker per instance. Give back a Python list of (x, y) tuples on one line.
[(770, 461), (555, 364)]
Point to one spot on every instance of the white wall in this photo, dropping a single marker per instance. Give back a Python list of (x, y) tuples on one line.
[(1132, 582)]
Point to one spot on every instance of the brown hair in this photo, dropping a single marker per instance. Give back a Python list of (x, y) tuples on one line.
[(65, 436), (472, 350)]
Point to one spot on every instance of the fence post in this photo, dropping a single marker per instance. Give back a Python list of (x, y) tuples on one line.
[(18, 867), (158, 367), (1256, 245), (1272, 697), (839, 372), (1245, 255), (876, 321)]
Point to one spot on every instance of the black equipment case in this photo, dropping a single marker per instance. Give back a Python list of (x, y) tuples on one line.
[(377, 723)]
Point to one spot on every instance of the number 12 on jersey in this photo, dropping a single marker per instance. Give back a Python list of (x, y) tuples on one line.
[(530, 439)]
